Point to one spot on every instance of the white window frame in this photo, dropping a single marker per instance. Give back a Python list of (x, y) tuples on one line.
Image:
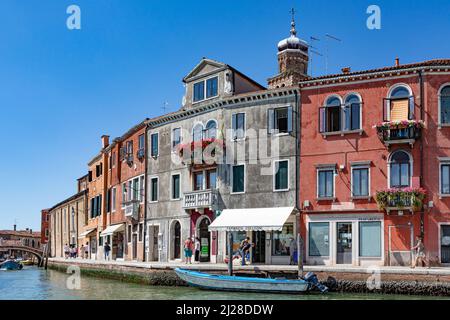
[(348, 95), (274, 175), (151, 145), (233, 138), (197, 123), (440, 124), (204, 89), (326, 168), (151, 189), (391, 90), (442, 161), (172, 187), (205, 129), (245, 178), (172, 139), (360, 166)]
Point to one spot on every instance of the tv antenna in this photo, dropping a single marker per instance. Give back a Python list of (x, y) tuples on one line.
[(327, 38), (165, 107), (314, 51)]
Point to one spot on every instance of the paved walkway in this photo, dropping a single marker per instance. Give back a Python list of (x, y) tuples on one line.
[(221, 266)]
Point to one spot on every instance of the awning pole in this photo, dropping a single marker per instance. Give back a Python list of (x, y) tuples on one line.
[(230, 253)]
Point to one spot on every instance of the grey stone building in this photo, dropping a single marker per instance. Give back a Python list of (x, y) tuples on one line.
[(249, 187)]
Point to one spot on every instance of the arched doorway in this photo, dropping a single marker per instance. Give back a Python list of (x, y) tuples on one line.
[(205, 242), (176, 240)]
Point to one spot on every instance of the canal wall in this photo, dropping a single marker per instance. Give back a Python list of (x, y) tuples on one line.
[(425, 284)]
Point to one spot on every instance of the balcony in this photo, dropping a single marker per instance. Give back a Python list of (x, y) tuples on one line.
[(132, 209), (399, 132), (410, 199), (200, 199)]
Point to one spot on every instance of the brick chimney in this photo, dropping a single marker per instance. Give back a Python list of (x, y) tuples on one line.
[(15, 227), (397, 62), (105, 141), (346, 70)]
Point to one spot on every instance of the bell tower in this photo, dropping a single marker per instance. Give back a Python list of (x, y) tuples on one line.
[(293, 60)]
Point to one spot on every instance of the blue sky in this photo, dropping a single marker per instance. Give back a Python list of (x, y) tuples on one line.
[(60, 90)]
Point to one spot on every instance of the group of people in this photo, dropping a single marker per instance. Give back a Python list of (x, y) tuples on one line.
[(192, 247), (71, 251)]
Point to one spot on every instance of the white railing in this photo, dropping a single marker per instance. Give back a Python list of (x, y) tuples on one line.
[(132, 209), (200, 199)]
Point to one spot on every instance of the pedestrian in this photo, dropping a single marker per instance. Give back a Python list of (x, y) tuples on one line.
[(197, 249), (107, 249), (66, 251), (293, 250), (419, 250), (81, 254), (86, 250), (72, 251), (245, 249), (188, 246)]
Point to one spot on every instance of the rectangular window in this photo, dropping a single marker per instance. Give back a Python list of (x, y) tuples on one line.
[(92, 207), (176, 137), (281, 176), (211, 179), (154, 190), (198, 181), (108, 201), (238, 125), (100, 241), (360, 182), (199, 91), (90, 176), (141, 188), (129, 148), (370, 239), (141, 231), (280, 120), (129, 233), (319, 239), (113, 199), (282, 240), (141, 142), (238, 179), (211, 87), (175, 187), (155, 148), (113, 159), (136, 191), (445, 178), (325, 183)]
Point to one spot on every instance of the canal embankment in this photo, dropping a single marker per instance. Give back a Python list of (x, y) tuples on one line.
[(384, 280)]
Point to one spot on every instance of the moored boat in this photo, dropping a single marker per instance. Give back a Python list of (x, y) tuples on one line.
[(248, 284), (11, 265)]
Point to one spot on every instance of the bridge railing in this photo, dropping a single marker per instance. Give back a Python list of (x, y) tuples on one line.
[(11, 243)]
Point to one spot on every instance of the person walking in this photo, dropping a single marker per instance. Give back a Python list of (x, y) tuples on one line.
[(66, 251), (244, 249), (81, 254), (419, 250), (86, 250), (188, 246), (292, 250), (107, 249), (197, 249)]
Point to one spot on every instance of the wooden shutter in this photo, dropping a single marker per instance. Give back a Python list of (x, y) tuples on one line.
[(322, 120), (411, 108), (234, 125), (270, 120), (289, 119), (399, 109)]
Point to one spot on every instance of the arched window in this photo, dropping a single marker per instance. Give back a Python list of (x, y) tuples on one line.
[(331, 115), (211, 130), (400, 104), (197, 132), (400, 170), (444, 104), (352, 112)]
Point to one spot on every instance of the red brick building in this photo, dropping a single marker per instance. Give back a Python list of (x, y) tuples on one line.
[(45, 232), (361, 184)]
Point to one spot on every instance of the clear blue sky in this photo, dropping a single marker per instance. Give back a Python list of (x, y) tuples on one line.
[(60, 90)]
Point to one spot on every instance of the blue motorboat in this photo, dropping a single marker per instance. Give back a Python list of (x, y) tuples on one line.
[(11, 265), (249, 284)]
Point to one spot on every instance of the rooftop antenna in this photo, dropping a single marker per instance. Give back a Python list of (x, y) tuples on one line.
[(313, 50), (165, 107), (329, 37)]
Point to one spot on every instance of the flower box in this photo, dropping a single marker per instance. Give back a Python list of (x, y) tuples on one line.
[(401, 198)]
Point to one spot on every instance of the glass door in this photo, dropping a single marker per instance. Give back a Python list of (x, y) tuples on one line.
[(445, 244), (344, 243), (259, 249)]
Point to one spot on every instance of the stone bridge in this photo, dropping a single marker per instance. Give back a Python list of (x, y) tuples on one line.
[(17, 245)]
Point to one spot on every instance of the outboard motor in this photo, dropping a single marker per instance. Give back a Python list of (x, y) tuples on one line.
[(311, 278)]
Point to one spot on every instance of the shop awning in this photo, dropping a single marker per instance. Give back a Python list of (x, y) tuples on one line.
[(262, 219), (111, 229), (86, 233)]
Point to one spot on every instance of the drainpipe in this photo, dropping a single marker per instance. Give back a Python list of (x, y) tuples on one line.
[(422, 116), (145, 191), (297, 183)]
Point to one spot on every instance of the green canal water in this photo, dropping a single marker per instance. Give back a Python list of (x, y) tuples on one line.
[(32, 283)]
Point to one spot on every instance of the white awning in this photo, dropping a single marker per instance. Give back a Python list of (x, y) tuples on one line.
[(262, 219), (111, 229), (86, 233)]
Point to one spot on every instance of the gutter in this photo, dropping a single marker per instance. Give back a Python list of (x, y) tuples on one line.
[(145, 190), (422, 116)]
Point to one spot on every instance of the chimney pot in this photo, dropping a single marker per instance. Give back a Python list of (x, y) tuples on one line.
[(105, 141), (397, 61), (15, 228), (346, 70)]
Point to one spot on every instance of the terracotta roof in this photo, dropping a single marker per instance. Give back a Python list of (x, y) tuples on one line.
[(429, 63), (21, 233)]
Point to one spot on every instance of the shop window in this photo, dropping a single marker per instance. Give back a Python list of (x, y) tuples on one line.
[(370, 239), (281, 240), (319, 239)]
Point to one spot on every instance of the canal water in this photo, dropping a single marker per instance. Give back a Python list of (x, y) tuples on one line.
[(32, 283)]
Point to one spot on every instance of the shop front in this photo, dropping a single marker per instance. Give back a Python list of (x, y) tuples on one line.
[(271, 231), (200, 223), (344, 239), (89, 238), (114, 235)]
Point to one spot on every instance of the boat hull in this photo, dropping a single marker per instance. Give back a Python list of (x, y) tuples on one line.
[(244, 284), (11, 265)]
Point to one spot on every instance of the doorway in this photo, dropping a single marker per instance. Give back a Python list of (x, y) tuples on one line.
[(445, 243), (177, 240), (205, 236), (344, 243), (153, 243), (259, 249), (135, 238)]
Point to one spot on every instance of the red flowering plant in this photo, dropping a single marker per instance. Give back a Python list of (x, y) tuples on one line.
[(206, 148), (400, 124), (401, 197)]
